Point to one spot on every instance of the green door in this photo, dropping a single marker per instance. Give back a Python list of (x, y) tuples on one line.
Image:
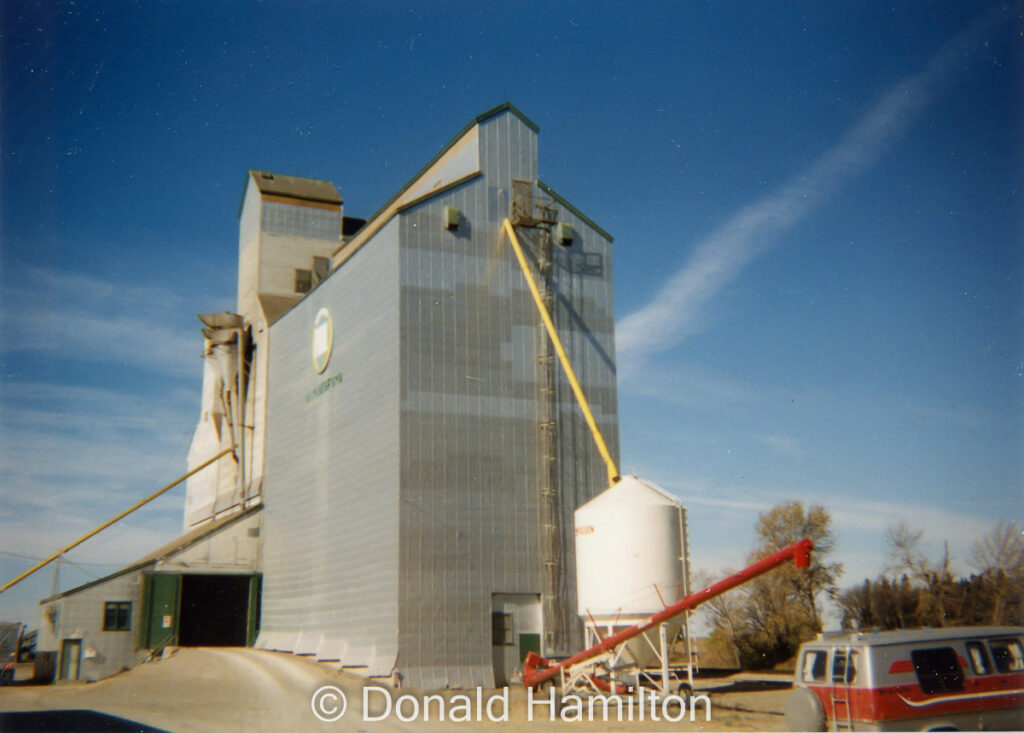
[(162, 600), (253, 620), (528, 643)]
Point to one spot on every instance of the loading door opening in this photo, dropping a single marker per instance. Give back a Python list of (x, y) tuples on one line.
[(214, 610), (515, 630), (200, 610)]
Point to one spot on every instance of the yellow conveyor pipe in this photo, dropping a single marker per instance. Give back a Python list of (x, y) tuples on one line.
[(120, 516), (613, 472)]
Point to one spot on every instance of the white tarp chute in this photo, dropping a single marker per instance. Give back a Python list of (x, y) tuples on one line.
[(222, 415)]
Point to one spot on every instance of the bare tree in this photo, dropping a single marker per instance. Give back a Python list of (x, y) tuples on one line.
[(933, 578), (994, 595), (725, 613), (1001, 549), (999, 559), (905, 555)]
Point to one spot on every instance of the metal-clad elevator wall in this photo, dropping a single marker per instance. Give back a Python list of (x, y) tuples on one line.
[(474, 450), (408, 495), (331, 489)]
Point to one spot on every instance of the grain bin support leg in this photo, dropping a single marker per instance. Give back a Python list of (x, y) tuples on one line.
[(666, 686)]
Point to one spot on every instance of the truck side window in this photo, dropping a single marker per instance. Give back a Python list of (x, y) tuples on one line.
[(814, 666), (979, 658), (1007, 655), (839, 668), (844, 668), (851, 669), (938, 670)]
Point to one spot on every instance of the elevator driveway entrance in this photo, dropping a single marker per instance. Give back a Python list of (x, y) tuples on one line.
[(199, 610)]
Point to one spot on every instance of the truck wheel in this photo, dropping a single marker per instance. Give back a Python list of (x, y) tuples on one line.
[(685, 692), (804, 711)]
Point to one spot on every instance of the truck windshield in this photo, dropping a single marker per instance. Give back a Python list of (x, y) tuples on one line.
[(813, 667)]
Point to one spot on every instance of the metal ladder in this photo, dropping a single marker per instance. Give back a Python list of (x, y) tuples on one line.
[(525, 214), (839, 723)]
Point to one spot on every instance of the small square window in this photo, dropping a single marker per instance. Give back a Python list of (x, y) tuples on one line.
[(501, 629), (303, 281), (117, 616), (321, 269), (586, 263)]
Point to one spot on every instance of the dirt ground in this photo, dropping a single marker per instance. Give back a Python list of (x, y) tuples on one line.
[(246, 689)]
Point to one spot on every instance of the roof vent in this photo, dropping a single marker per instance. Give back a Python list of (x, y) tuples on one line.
[(563, 233), (451, 217)]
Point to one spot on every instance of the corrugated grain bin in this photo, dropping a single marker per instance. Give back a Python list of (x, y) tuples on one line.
[(629, 541)]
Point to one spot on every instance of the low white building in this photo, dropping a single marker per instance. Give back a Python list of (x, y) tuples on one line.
[(202, 589)]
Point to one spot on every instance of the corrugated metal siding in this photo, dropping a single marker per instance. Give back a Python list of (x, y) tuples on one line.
[(585, 318), (472, 463), (469, 441), (400, 501), (81, 616), (248, 251), (234, 548), (331, 481)]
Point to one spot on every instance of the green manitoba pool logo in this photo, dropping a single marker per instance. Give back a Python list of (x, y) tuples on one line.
[(323, 339)]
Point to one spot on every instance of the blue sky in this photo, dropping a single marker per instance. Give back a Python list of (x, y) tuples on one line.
[(817, 211)]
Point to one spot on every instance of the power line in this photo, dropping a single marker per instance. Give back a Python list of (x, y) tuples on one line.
[(63, 559)]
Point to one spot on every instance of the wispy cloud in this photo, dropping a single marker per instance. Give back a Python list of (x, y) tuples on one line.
[(66, 315), (73, 456), (675, 311), (85, 452), (700, 389), (787, 444), (692, 387), (75, 452), (849, 513), (859, 526)]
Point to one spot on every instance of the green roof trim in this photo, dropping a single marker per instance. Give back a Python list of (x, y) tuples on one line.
[(507, 106), (560, 199), (438, 191)]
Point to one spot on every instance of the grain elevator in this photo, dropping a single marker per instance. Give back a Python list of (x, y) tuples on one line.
[(404, 455)]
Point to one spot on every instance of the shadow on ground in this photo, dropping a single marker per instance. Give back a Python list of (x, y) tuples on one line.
[(754, 686), (51, 721)]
